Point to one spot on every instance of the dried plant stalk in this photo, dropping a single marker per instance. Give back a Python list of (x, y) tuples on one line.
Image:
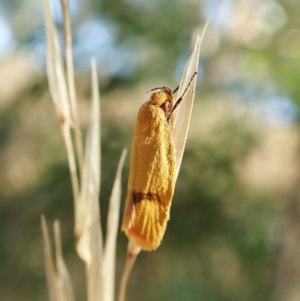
[(99, 267), (132, 253), (87, 223), (50, 271), (108, 266), (59, 284), (90, 183), (59, 92), (70, 80), (63, 278)]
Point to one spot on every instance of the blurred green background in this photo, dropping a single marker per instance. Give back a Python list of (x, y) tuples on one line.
[(234, 232)]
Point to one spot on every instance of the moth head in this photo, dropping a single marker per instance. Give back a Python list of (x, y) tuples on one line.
[(163, 97)]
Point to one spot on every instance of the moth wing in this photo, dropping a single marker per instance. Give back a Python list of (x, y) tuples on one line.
[(151, 179)]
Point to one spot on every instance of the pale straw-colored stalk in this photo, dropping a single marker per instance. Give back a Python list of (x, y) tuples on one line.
[(59, 284), (180, 126), (59, 93), (87, 216), (99, 265), (63, 278), (108, 266), (90, 181), (71, 81), (132, 253), (49, 264)]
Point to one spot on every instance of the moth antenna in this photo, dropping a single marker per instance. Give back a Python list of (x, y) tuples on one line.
[(179, 100), (176, 89), (158, 88)]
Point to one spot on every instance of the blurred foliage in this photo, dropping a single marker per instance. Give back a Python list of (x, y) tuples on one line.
[(227, 239)]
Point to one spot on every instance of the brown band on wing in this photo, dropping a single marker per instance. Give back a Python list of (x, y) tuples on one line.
[(139, 196)]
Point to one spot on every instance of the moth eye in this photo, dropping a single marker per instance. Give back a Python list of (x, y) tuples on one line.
[(167, 108)]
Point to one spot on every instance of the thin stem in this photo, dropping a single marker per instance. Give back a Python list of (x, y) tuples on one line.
[(72, 163), (132, 253), (49, 264), (127, 269), (71, 82)]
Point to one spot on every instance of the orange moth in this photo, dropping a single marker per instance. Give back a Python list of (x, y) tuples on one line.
[(152, 173)]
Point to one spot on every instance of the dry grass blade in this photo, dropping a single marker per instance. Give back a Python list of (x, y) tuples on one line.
[(183, 114), (49, 265), (59, 283), (94, 130), (87, 215), (108, 267), (93, 161), (59, 92), (64, 284), (55, 68), (90, 178), (70, 80)]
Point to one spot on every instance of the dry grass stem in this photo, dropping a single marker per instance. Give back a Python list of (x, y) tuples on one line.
[(63, 278), (132, 253), (100, 268), (72, 162), (87, 223), (55, 69), (49, 265), (59, 92), (59, 284), (90, 181), (108, 267), (71, 82)]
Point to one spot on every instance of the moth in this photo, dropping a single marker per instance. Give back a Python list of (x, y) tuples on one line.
[(152, 170)]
